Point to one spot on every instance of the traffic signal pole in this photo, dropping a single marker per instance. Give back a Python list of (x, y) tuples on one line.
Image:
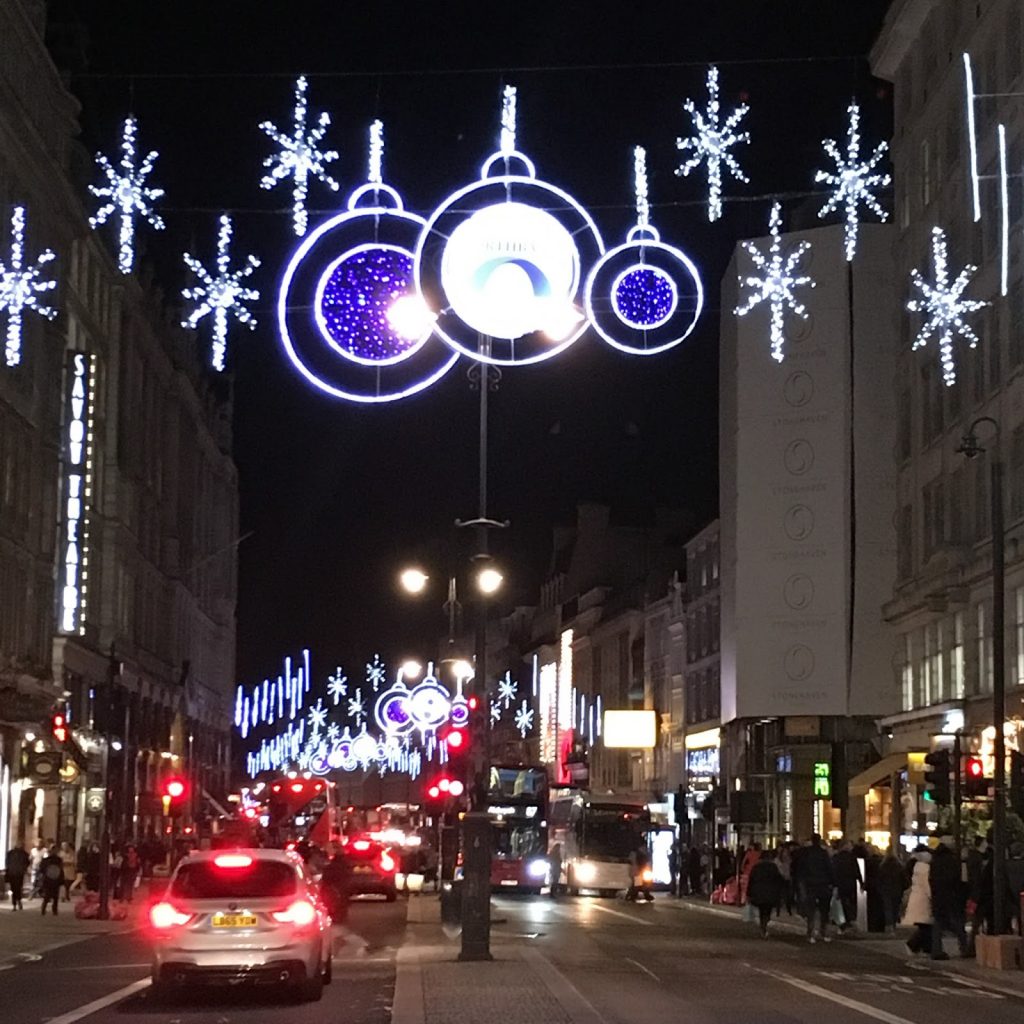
[(957, 798)]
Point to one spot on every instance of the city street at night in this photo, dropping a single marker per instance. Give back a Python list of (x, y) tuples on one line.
[(585, 961)]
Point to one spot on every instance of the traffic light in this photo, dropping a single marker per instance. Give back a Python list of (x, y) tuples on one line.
[(175, 793), (59, 727), (975, 783), (445, 787), (936, 777)]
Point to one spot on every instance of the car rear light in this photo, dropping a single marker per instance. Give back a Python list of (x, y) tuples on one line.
[(166, 915), (233, 860), (647, 875), (361, 844), (387, 862), (296, 787), (300, 913)]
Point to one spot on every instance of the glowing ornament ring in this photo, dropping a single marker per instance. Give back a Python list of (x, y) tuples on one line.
[(338, 299), (644, 297), (503, 259)]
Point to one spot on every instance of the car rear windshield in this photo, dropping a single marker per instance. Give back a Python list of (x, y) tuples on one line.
[(204, 880)]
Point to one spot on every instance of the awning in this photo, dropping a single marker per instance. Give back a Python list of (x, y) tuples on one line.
[(880, 771)]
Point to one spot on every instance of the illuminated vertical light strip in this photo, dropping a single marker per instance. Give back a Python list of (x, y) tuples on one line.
[(308, 676), (566, 691), (1004, 215), (83, 605), (375, 173), (535, 671), (598, 703), (590, 726), (972, 136), (643, 205), (239, 694), (508, 120)]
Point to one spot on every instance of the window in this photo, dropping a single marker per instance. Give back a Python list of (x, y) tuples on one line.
[(984, 653), (907, 674), (931, 402), (956, 658), (957, 506), (933, 509), (1018, 633), (925, 170), (932, 689), (905, 426)]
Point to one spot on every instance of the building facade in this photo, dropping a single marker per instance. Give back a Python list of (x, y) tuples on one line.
[(941, 605), (118, 508)]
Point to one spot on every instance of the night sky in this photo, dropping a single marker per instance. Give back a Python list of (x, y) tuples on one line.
[(340, 496)]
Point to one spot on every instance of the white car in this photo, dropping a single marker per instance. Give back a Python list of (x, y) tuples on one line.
[(235, 916)]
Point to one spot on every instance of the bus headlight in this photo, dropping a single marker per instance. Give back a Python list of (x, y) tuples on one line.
[(537, 868), (584, 872)]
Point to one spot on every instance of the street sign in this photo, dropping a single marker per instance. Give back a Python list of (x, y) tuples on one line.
[(822, 780)]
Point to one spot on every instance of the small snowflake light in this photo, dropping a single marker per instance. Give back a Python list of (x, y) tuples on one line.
[(337, 686), (333, 733), (853, 180), (357, 708), (495, 712), (508, 120), (221, 293), (20, 287), (126, 192), (317, 718), (711, 142), (777, 282), (943, 306), (299, 157), (524, 719), (375, 672), (508, 690)]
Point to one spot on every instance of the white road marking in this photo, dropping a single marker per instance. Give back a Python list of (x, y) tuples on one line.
[(646, 970), (619, 913), (99, 1004), (98, 967), (823, 993)]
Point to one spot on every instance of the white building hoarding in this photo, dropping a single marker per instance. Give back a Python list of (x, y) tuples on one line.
[(808, 545), (630, 730)]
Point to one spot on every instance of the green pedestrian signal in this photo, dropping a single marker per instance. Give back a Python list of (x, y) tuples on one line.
[(936, 777), (822, 780)]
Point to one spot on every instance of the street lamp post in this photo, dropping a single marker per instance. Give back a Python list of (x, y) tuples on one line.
[(971, 448)]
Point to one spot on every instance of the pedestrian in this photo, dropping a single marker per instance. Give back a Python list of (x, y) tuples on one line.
[(892, 884), (695, 870), (641, 876), (675, 876), (51, 868), (15, 868), (129, 871), (67, 857), (947, 898), (848, 881), (1015, 880), (919, 902), (89, 866), (764, 889), (814, 881), (555, 869), (35, 858), (784, 861)]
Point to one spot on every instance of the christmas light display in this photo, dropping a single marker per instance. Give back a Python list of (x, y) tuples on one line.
[(495, 712), (853, 180), (943, 306), (299, 157), (641, 283), (524, 718), (221, 294), (126, 192), (501, 261), (711, 143), (1004, 215), (777, 282), (337, 686), (972, 137), (508, 689), (21, 286)]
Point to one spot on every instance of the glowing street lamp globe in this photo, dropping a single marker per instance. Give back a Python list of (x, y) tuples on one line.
[(489, 580), (414, 580)]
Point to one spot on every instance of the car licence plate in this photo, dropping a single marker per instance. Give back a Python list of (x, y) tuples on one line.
[(362, 870), (509, 881), (234, 920)]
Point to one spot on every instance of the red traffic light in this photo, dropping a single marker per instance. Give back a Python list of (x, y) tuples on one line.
[(973, 768), (60, 728), (473, 703), (456, 739), (434, 792), (175, 788)]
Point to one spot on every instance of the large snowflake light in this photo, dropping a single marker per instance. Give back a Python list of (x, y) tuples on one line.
[(711, 142), (221, 293), (20, 287), (126, 191), (524, 719), (337, 685), (943, 306), (777, 282), (508, 689), (299, 157), (853, 180)]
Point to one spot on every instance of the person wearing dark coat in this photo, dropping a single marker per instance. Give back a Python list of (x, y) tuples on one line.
[(848, 881), (51, 878), (695, 871), (892, 883), (947, 899), (15, 870), (764, 889), (813, 880)]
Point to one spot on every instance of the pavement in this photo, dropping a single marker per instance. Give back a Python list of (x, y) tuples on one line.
[(567, 961)]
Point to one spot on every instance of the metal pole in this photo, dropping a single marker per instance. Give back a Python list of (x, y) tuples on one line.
[(957, 798), (103, 910), (999, 882)]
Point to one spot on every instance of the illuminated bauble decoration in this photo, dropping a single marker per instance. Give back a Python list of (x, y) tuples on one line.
[(459, 715), (644, 296), (392, 711), (429, 705), (501, 262), (349, 315)]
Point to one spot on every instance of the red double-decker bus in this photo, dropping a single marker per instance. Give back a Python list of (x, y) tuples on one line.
[(301, 810), (518, 808)]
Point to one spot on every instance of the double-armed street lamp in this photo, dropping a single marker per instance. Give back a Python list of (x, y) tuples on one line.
[(971, 448)]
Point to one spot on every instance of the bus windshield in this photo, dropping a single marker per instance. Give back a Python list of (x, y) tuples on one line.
[(514, 840), (611, 831)]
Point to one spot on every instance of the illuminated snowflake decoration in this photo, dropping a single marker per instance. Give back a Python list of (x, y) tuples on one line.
[(853, 180), (524, 719), (495, 712), (337, 686), (20, 287), (126, 192), (299, 157), (777, 282), (357, 708), (375, 672), (508, 690), (711, 142), (317, 718), (333, 732), (221, 293), (943, 306)]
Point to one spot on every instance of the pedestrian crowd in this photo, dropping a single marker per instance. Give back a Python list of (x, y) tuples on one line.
[(52, 871), (929, 891)]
